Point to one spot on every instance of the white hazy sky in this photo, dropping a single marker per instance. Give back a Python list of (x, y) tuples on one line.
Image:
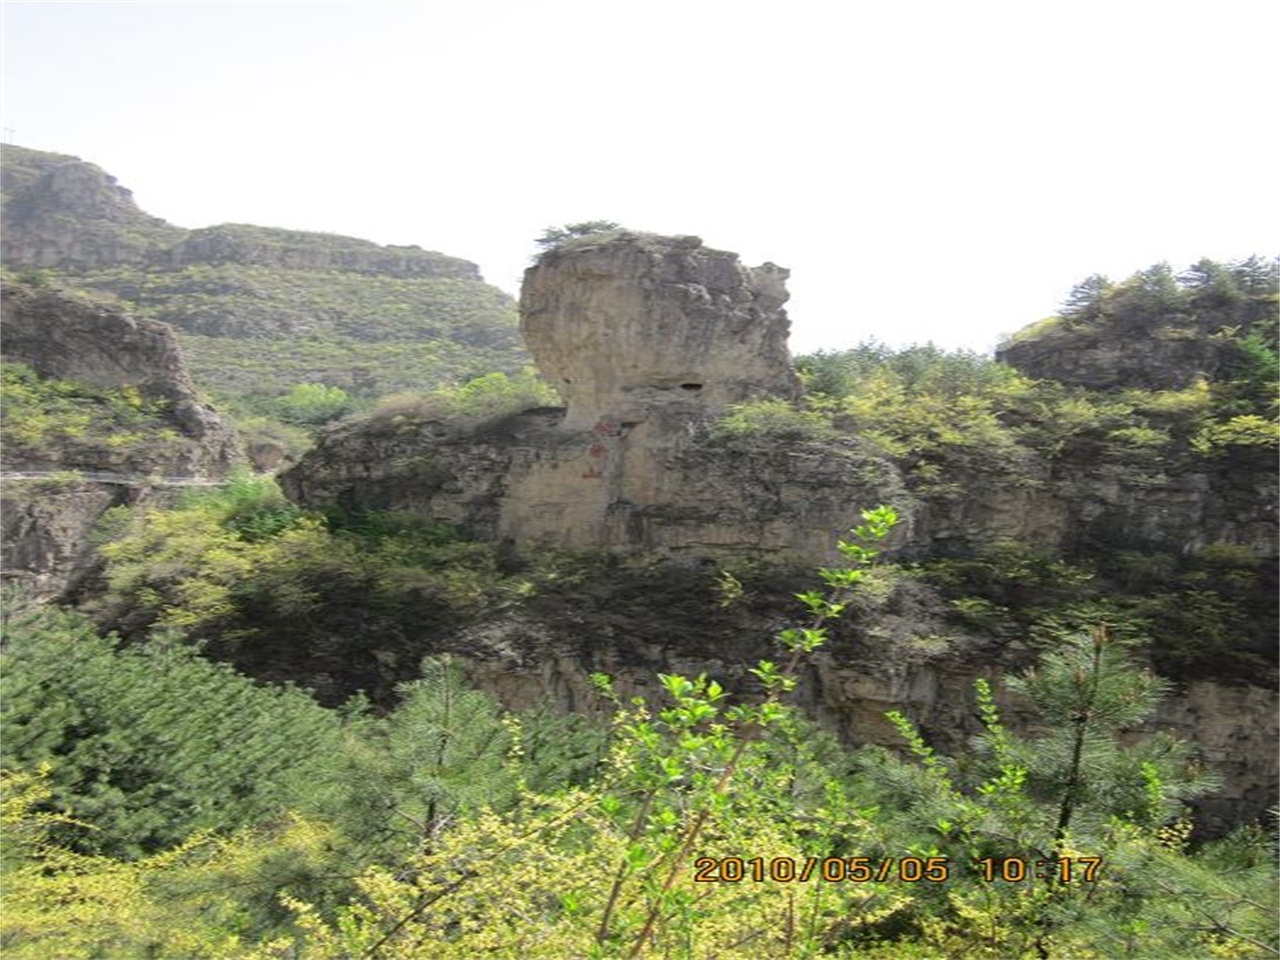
[(939, 170)]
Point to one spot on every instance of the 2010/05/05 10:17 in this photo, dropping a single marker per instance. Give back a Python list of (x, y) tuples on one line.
[(902, 869)]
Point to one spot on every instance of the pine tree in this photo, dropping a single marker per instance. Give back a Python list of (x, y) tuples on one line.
[(1086, 302), (149, 743), (1088, 693), (399, 781), (1147, 298), (1082, 811), (1211, 285), (554, 236)]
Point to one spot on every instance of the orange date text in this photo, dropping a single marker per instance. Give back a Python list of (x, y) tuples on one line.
[(831, 869)]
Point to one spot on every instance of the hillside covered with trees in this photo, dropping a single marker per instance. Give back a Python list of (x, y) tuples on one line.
[(262, 313)]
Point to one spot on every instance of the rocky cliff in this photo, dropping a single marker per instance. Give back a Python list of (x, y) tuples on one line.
[(649, 340), (64, 337), (99, 409), (624, 324), (297, 249), (1169, 357), (1153, 331), (658, 483), (62, 212)]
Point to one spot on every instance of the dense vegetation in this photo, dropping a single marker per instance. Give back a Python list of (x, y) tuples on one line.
[(280, 390), (102, 219), (257, 330), (1206, 298), (261, 311), (959, 422), (73, 425), (695, 824), (288, 594), (285, 350)]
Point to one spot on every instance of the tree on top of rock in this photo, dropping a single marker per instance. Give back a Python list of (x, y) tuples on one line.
[(554, 236)]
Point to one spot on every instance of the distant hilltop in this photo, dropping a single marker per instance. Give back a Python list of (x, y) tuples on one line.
[(63, 213), (258, 310)]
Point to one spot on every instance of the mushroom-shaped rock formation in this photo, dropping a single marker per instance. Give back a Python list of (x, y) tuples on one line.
[(622, 324), (648, 339)]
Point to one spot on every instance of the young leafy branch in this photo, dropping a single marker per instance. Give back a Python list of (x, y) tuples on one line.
[(691, 751)]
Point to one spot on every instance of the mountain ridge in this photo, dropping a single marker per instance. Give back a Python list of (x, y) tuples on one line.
[(258, 309), (42, 189)]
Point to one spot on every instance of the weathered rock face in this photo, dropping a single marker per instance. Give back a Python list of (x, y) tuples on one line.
[(298, 249), (624, 324), (1084, 507), (648, 338), (1180, 513), (47, 519), (45, 528), (70, 338), (1172, 341), (661, 484), (1167, 345), (62, 212), (1166, 359)]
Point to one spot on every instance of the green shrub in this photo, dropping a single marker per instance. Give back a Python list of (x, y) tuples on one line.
[(492, 395), (258, 330), (554, 237), (282, 592), (149, 743), (77, 424), (1249, 431), (311, 404), (773, 419)]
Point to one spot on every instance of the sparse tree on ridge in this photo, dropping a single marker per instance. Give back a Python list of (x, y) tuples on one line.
[(554, 236)]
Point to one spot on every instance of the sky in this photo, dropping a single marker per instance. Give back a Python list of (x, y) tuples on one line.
[(929, 170)]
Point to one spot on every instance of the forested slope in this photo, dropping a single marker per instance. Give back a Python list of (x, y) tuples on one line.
[(217, 818), (260, 309)]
